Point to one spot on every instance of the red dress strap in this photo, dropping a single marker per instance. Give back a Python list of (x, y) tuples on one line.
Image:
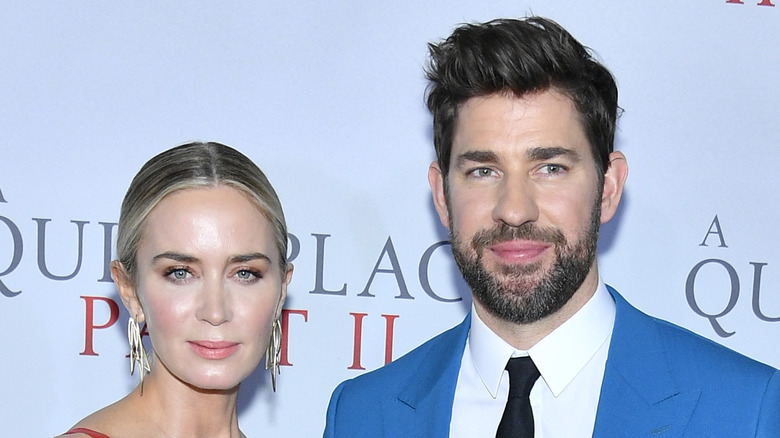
[(85, 431)]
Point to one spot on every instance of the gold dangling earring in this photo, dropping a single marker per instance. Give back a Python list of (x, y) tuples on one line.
[(274, 353), (137, 351)]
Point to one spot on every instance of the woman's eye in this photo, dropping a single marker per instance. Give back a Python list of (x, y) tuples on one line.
[(178, 274), (245, 274)]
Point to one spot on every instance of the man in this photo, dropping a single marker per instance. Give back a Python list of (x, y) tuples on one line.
[(524, 121)]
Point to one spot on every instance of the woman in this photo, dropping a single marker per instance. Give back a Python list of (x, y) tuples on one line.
[(201, 247)]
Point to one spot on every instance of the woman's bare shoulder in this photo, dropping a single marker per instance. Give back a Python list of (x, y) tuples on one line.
[(106, 421), (73, 435)]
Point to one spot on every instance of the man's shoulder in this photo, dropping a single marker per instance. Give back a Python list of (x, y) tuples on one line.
[(418, 364), (691, 382), (684, 351), (421, 382), (699, 354)]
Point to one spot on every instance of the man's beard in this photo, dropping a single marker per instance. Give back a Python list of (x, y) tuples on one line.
[(527, 293)]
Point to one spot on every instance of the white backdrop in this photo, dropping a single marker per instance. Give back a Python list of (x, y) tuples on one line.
[(327, 97)]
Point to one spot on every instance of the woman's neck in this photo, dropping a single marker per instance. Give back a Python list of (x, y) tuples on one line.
[(175, 409)]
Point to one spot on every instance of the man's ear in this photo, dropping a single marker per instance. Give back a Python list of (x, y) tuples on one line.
[(436, 180), (614, 181), (127, 292)]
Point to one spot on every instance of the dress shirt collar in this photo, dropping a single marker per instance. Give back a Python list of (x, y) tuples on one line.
[(559, 356)]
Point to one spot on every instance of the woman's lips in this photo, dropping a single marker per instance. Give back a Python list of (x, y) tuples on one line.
[(214, 350)]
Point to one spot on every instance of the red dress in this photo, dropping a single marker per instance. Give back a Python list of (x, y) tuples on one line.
[(89, 432)]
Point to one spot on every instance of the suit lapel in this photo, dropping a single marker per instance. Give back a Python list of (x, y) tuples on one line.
[(426, 399), (639, 396)]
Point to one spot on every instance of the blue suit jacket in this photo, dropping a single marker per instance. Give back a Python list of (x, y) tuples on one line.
[(660, 380)]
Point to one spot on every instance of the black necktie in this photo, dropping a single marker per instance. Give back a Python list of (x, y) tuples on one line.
[(518, 419)]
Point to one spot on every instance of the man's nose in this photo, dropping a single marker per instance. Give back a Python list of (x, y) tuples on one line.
[(515, 202)]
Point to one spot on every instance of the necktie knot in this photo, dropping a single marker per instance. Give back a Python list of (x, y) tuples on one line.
[(522, 376)]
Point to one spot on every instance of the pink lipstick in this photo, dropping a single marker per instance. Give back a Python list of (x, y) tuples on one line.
[(214, 350)]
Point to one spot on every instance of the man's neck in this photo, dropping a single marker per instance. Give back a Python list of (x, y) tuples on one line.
[(525, 336)]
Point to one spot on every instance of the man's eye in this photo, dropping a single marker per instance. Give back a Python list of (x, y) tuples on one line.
[(482, 172), (552, 168)]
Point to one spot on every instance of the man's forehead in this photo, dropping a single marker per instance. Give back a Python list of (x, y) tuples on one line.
[(536, 125)]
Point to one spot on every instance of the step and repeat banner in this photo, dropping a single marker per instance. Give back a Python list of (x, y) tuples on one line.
[(327, 98)]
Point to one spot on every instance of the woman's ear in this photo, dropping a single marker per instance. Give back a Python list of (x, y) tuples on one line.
[(283, 296), (127, 292)]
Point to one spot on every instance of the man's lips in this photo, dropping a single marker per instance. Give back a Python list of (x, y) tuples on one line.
[(214, 350), (519, 251)]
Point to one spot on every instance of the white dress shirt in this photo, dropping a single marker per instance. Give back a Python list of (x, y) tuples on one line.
[(571, 361)]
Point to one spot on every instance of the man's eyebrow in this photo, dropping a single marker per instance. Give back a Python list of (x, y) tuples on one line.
[(476, 157), (533, 154), (546, 153)]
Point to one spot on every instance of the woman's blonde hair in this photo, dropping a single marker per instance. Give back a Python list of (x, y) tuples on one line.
[(194, 165)]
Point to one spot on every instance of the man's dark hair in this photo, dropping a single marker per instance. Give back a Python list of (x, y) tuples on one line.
[(519, 57)]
